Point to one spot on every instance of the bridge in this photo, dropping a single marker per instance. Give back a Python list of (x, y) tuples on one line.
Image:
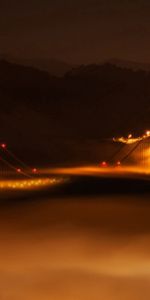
[(16, 174), (13, 166), (130, 152)]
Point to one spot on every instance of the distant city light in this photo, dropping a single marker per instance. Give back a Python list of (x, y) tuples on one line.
[(130, 139), (148, 133), (130, 136)]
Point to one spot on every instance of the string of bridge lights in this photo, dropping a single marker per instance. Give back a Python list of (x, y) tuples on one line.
[(29, 172), (28, 184), (23, 170), (129, 140), (26, 179)]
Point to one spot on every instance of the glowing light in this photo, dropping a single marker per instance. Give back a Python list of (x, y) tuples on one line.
[(3, 146), (34, 170), (130, 139), (130, 136), (18, 170), (28, 184), (104, 164), (148, 133), (118, 163), (127, 140)]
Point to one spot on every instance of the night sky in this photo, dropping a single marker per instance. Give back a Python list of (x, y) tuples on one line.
[(76, 30)]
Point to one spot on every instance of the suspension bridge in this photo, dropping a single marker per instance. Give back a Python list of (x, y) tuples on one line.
[(130, 152), (15, 174), (12, 166)]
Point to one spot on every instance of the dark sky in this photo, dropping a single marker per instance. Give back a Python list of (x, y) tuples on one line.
[(76, 30)]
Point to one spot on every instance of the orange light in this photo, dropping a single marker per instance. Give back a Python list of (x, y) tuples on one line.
[(147, 133), (130, 136), (34, 170), (118, 163)]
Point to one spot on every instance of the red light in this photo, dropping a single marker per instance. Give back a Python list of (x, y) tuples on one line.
[(34, 170), (104, 164), (3, 146), (19, 170), (118, 163)]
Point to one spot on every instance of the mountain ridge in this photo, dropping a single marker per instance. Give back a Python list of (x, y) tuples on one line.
[(96, 102)]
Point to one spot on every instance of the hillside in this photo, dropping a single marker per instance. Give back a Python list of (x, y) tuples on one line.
[(129, 64), (53, 66), (88, 104)]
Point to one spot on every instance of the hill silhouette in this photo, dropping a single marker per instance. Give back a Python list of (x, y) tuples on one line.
[(129, 64), (88, 104), (54, 66)]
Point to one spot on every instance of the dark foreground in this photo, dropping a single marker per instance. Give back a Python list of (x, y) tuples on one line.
[(89, 239)]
